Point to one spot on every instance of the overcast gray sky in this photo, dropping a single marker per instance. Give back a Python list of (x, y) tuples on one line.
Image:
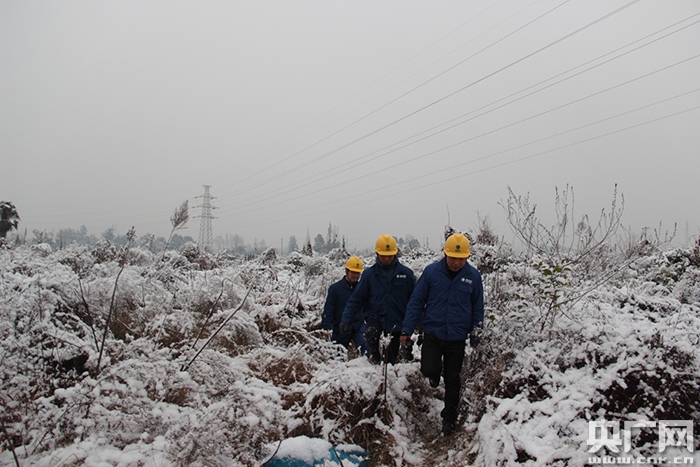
[(376, 116)]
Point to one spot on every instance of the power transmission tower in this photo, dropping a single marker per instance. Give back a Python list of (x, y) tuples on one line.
[(205, 233)]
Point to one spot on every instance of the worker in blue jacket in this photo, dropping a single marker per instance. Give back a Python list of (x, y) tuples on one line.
[(382, 296), (337, 298), (449, 302)]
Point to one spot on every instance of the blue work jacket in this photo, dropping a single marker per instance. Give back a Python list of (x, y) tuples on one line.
[(449, 308), (380, 298), (337, 298)]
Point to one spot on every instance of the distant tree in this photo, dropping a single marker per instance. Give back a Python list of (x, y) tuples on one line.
[(9, 218), (319, 244), (238, 242), (307, 250), (220, 243), (121, 240), (259, 246), (411, 243), (81, 237), (110, 234), (292, 245), (178, 240), (147, 241), (67, 237), (42, 236), (332, 238)]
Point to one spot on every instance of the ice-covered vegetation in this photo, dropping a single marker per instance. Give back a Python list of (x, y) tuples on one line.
[(120, 356)]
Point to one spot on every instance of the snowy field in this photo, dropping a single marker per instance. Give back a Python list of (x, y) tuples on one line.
[(213, 361)]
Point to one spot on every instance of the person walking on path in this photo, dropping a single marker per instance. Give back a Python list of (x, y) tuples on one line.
[(382, 296), (336, 299), (449, 302)]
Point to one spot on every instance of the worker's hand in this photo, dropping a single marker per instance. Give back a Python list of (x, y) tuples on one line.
[(419, 331), (404, 339), (473, 345), (345, 328)]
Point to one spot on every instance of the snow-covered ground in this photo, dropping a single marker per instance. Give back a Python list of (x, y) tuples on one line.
[(213, 361)]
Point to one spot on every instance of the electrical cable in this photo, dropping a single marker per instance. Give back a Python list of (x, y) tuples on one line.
[(336, 168), (268, 166), (305, 164), (449, 95), (301, 166), (315, 208), (498, 129), (355, 163)]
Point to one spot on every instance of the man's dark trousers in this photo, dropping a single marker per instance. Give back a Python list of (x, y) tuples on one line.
[(433, 353)]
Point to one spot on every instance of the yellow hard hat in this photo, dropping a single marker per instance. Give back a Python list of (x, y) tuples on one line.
[(386, 246), (354, 264), (457, 246)]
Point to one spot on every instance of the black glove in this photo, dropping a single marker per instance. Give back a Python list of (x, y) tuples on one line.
[(407, 350), (345, 328)]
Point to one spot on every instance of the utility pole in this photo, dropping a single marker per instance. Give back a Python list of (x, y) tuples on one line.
[(205, 233)]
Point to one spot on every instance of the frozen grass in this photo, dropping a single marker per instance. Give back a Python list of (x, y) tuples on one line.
[(554, 355)]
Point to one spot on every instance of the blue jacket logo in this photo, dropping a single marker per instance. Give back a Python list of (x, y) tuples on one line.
[(464, 279)]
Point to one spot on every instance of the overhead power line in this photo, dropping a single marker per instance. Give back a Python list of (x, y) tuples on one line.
[(305, 164), (554, 109), (266, 181), (353, 197), (268, 166), (356, 161)]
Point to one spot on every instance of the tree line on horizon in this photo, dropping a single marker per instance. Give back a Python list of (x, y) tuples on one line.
[(232, 244)]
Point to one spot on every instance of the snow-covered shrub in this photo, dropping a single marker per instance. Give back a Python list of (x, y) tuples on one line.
[(104, 251), (417, 259), (140, 257), (338, 256), (658, 382), (491, 258), (78, 258), (269, 256), (197, 257), (315, 266), (356, 403), (240, 336), (623, 347), (296, 260), (42, 249), (609, 358), (695, 254), (686, 290), (173, 329), (284, 368)]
